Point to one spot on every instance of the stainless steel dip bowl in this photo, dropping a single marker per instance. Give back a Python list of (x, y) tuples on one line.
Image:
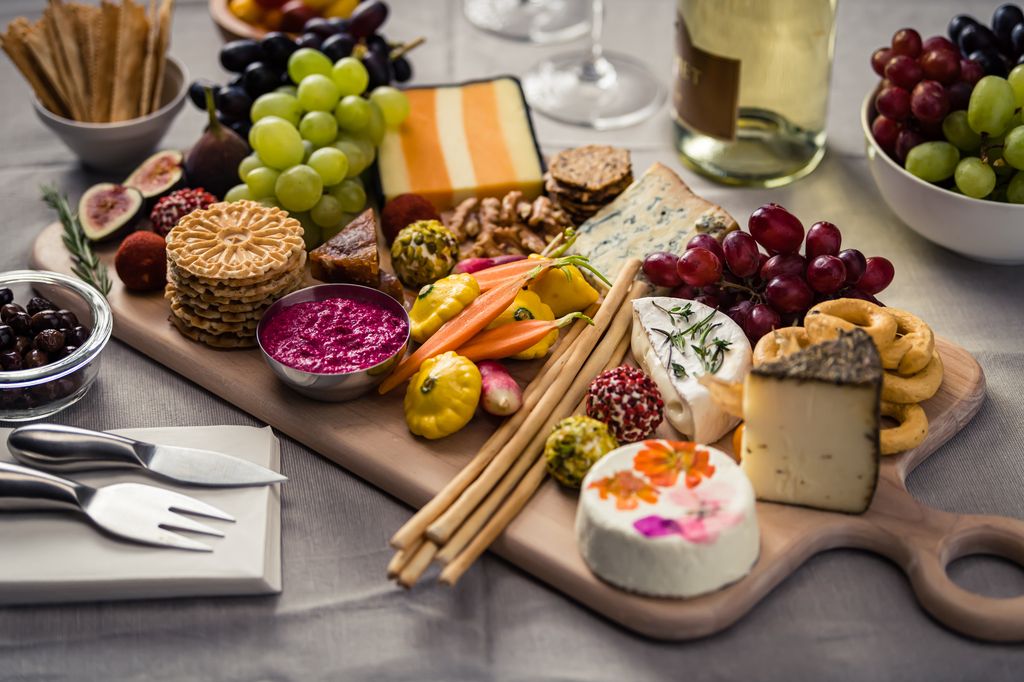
[(334, 387)]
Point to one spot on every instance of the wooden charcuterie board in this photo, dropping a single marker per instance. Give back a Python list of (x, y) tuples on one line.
[(369, 438)]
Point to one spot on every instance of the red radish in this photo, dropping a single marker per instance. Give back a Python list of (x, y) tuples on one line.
[(471, 265), (500, 395)]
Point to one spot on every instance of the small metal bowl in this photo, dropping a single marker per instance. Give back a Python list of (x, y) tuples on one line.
[(334, 387), (39, 392)]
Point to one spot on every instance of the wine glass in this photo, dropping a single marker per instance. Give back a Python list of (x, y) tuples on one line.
[(532, 21), (597, 89)]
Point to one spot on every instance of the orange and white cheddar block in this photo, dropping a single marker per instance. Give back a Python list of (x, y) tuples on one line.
[(461, 141)]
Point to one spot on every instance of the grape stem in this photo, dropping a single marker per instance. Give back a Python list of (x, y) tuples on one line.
[(405, 49), (732, 285)]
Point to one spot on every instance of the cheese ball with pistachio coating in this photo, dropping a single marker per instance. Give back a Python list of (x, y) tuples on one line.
[(575, 445)]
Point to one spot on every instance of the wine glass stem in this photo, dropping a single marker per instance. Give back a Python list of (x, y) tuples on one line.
[(595, 68)]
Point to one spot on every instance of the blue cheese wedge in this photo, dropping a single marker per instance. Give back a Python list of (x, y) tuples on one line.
[(678, 341), (658, 212)]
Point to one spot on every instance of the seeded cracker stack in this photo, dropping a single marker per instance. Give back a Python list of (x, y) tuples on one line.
[(226, 264), (583, 180)]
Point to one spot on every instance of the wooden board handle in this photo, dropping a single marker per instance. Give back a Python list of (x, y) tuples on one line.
[(989, 618)]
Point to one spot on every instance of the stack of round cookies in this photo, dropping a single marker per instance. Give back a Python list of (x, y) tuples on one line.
[(582, 180), (226, 264)]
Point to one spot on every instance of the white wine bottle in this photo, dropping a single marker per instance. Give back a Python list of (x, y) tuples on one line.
[(751, 82)]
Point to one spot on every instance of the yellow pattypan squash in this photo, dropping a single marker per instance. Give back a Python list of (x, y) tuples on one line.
[(528, 306), (565, 290), (442, 396), (439, 302)]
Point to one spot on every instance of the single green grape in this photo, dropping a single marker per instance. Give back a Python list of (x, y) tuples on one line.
[(288, 90), (368, 151), (991, 106), (1015, 190), (312, 234), (319, 127), (318, 93), (261, 182), (393, 103), (238, 193), (306, 61), (350, 76), (1016, 80), (357, 161), (974, 177), (351, 195), (375, 127), (307, 150), (327, 211), (959, 132), (352, 113), (933, 161), (276, 104), (249, 163), (1013, 148), (330, 163), (299, 188), (278, 142)]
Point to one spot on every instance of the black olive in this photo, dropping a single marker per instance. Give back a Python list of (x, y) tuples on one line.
[(6, 296), (36, 358), (50, 340), (66, 351), (68, 319), (22, 344), (10, 361), (8, 311), (45, 319), (21, 323), (77, 335), (7, 336), (38, 304)]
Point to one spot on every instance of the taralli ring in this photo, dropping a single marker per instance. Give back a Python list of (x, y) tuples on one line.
[(825, 320), (915, 388), (914, 345), (912, 429), (780, 343)]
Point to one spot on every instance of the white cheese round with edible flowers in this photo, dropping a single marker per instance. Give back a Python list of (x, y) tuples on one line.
[(667, 519)]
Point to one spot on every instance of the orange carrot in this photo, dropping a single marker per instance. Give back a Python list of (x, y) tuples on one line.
[(514, 337), (464, 326), (493, 276)]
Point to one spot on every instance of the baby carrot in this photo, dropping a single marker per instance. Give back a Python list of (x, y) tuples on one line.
[(515, 337)]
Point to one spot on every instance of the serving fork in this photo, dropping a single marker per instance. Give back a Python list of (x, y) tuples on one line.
[(133, 511)]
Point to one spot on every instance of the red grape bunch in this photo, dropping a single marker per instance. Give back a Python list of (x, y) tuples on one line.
[(764, 290)]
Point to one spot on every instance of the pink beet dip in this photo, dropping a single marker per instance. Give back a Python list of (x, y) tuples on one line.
[(333, 336)]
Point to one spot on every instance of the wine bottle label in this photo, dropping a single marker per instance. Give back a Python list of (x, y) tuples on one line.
[(707, 86)]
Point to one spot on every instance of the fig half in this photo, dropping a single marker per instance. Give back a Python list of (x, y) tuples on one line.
[(158, 175), (108, 210)]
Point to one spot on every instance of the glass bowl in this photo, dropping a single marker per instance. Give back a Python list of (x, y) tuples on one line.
[(39, 392)]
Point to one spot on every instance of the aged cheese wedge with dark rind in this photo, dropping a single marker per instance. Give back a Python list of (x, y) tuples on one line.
[(351, 255), (465, 140), (811, 429), (658, 212)]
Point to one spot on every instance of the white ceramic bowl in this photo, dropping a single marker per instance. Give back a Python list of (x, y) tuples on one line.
[(121, 146), (990, 231)]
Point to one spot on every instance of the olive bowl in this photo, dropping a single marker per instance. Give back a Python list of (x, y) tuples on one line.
[(39, 392), (342, 386)]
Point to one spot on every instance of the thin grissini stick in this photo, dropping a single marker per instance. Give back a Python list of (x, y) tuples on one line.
[(446, 524), (615, 340), (479, 517), (401, 558), (419, 562), (414, 528)]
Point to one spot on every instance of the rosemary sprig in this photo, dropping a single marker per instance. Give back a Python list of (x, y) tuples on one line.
[(85, 264), (684, 311)]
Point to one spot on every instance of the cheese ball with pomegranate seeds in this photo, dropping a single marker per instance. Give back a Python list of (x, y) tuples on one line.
[(402, 211), (141, 261), (176, 205), (628, 401)]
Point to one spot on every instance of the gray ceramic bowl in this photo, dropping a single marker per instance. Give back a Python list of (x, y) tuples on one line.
[(334, 387), (123, 145)]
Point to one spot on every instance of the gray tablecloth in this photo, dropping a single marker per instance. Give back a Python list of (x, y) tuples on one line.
[(844, 615)]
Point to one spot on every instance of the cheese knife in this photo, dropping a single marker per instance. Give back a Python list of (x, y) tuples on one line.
[(53, 447)]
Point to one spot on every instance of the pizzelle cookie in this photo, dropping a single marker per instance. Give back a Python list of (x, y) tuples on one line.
[(226, 264)]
